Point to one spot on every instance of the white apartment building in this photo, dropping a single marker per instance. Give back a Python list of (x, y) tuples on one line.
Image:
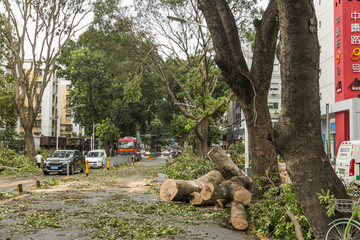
[(54, 103)]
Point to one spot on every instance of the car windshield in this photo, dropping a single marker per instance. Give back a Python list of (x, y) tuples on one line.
[(126, 145), (93, 154), (63, 154)]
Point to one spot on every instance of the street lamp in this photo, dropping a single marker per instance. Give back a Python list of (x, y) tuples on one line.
[(58, 123)]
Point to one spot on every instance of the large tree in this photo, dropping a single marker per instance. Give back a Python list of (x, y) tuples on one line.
[(251, 86), (34, 32), (182, 57), (297, 136)]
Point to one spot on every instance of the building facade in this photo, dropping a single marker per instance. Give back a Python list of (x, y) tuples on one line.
[(233, 121), (339, 38), (54, 103)]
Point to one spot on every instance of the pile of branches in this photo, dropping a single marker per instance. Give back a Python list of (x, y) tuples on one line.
[(225, 185)]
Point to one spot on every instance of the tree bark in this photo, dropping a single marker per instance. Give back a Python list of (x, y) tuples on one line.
[(238, 216), (201, 137), (179, 190), (29, 140), (298, 133), (250, 86), (224, 164)]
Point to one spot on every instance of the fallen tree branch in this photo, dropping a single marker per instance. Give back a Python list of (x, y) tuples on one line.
[(290, 216), (3, 168)]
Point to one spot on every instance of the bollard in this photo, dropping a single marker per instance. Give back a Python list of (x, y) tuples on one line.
[(67, 170), (19, 189), (133, 158), (87, 167), (37, 184), (108, 168)]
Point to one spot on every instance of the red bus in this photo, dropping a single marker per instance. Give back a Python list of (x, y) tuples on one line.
[(129, 146)]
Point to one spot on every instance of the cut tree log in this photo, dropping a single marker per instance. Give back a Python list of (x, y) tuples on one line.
[(238, 216), (242, 195), (196, 200), (231, 189), (224, 164), (180, 190), (3, 168)]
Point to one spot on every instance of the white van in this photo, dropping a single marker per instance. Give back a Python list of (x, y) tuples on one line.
[(96, 158), (348, 161)]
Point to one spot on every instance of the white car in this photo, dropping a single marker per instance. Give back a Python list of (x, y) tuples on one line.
[(96, 158)]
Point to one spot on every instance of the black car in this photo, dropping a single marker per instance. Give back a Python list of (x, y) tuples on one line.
[(59, 160)]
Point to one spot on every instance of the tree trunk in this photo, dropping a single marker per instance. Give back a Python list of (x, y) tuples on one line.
[(201, 137), (250, 86), (179, 190), (298, 133), (29, 141)]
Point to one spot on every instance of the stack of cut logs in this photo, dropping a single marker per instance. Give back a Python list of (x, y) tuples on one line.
[(227, 184)]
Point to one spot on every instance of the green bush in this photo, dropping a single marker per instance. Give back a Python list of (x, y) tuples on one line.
[(188, 166), (27, 164), (268, 214)]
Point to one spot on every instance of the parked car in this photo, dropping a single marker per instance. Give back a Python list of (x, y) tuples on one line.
[(60, 159), (165, 153), (96, 158), (147, 153), (347, 161)]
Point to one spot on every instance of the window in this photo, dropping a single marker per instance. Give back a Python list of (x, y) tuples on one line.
[(274, 86), (37, 123), (68, 117), (276, 68), (319, 24), (273, 105)]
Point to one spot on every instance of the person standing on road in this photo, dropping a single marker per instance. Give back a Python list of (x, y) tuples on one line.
[(38, 158)]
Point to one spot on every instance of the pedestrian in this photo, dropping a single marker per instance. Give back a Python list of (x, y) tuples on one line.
[(38, 158)]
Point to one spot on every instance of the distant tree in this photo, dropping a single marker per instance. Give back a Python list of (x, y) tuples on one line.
[(183, 59), (36, 31), (108, 133)]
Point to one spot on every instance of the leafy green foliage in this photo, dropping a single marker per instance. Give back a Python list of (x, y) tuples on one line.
[(236, 151), (268, 214), (42, 220), (188, 166), (118, 228), (12, 159), (107, 131), (328, 200)]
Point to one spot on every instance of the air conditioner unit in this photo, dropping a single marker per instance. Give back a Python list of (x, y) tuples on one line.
[(273, 93)]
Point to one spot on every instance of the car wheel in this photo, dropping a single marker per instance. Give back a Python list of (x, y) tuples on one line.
[(46, 172), (72, 169)]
